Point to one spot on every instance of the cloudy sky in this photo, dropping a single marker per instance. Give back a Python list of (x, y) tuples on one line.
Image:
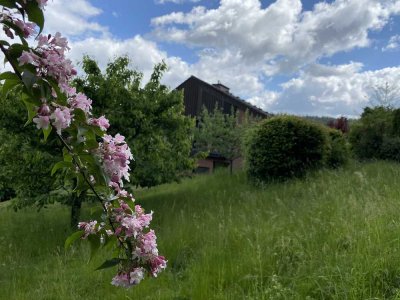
[(303, 57)]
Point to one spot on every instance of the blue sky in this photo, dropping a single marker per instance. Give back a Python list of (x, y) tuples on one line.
[(302, 57)]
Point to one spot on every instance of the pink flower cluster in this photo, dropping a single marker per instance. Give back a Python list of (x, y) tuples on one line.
[(130, 229), (115, 156), (88, 228), (49, 58), (130, 226), (145, 253), (27, 28), (129, 279)]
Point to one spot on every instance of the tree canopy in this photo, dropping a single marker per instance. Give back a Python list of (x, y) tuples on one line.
[(149, 115)]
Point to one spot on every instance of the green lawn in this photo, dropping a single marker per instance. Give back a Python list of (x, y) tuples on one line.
[(332, 235)]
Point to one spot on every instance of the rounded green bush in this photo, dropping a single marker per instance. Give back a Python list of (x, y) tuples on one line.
[(285, 146), (338, 152)]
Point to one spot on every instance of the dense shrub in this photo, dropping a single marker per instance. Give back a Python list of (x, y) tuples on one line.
[(390, 148), (285, 146), (338, 153), (377, 134)]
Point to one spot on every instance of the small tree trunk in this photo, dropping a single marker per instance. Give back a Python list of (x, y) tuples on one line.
[(76, 205), (231, 166)]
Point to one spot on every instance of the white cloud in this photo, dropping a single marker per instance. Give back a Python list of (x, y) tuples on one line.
[(332, 90), (393, 44), (73, 18), (280, 36), (242, 44)]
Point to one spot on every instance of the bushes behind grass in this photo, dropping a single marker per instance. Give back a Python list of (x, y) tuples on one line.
[(377, 134), (286, 146), (338, 151)]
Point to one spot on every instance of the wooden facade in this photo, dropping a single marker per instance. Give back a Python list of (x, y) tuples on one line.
[(198, 93)]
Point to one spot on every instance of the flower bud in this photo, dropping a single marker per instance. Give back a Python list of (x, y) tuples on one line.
[(44, 110)]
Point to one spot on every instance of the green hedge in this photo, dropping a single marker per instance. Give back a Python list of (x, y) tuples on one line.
[(338, 152), (285, 146)]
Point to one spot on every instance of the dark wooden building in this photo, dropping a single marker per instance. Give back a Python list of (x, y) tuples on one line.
[(198, 93)]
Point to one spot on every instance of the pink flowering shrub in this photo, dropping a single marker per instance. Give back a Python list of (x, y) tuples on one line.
[(99, 162)]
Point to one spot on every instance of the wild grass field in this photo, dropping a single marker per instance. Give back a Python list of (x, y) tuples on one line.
[(332, 235)]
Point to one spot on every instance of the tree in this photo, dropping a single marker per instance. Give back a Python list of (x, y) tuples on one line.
[(385, 95), (96, 161), (221, 134), (26, 161), (151, 117)]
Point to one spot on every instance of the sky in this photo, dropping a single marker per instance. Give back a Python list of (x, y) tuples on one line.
[(286, 56)]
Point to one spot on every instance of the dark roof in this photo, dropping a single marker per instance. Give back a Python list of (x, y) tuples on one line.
[(226, 93)]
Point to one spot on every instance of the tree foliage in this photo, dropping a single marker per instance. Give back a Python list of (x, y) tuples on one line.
[(376, 135), (25, 161), (149, 115), (221, 134), (93, 160), (285, 146)]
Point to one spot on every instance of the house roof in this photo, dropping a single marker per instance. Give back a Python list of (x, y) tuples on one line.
[(226, 93)]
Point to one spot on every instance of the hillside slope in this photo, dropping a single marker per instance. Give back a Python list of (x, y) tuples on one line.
[(332, 235)]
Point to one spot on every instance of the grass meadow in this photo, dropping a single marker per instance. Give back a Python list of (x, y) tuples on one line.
[(332, 235)]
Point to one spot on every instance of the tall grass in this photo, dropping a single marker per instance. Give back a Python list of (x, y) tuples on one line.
[(332, 235)]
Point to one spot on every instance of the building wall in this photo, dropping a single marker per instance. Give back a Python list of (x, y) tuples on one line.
[(209, 163)]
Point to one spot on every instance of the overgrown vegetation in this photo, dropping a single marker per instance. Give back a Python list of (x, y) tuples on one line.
[(286, 146), (331, 235), (221, 134), (149, 115), (376, 135)]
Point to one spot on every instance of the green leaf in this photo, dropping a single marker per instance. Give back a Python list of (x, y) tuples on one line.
[(72, 238), (98, 131), (31, 108), (110, 263), (81, 184), (8, 3), (91, 144), (46, 132), (61, 97), (94, 241), (61, 165), (9, 75), (35, 14), (79, 115), (29, 79), (4, 43), (9, 84)]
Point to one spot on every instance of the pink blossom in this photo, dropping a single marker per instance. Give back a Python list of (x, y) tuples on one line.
[(101, 122), (145, 219), (121, 280), (44, 110), (8, 32), (27, 28), (69, 90), (147, 245), (61, 118), (115, 156), (127, 280), (139, 210), (132, 226), (42, 122), (28, 58), (51, 60), (88, 227), (136, 275), (82, 102), (157, 263)]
